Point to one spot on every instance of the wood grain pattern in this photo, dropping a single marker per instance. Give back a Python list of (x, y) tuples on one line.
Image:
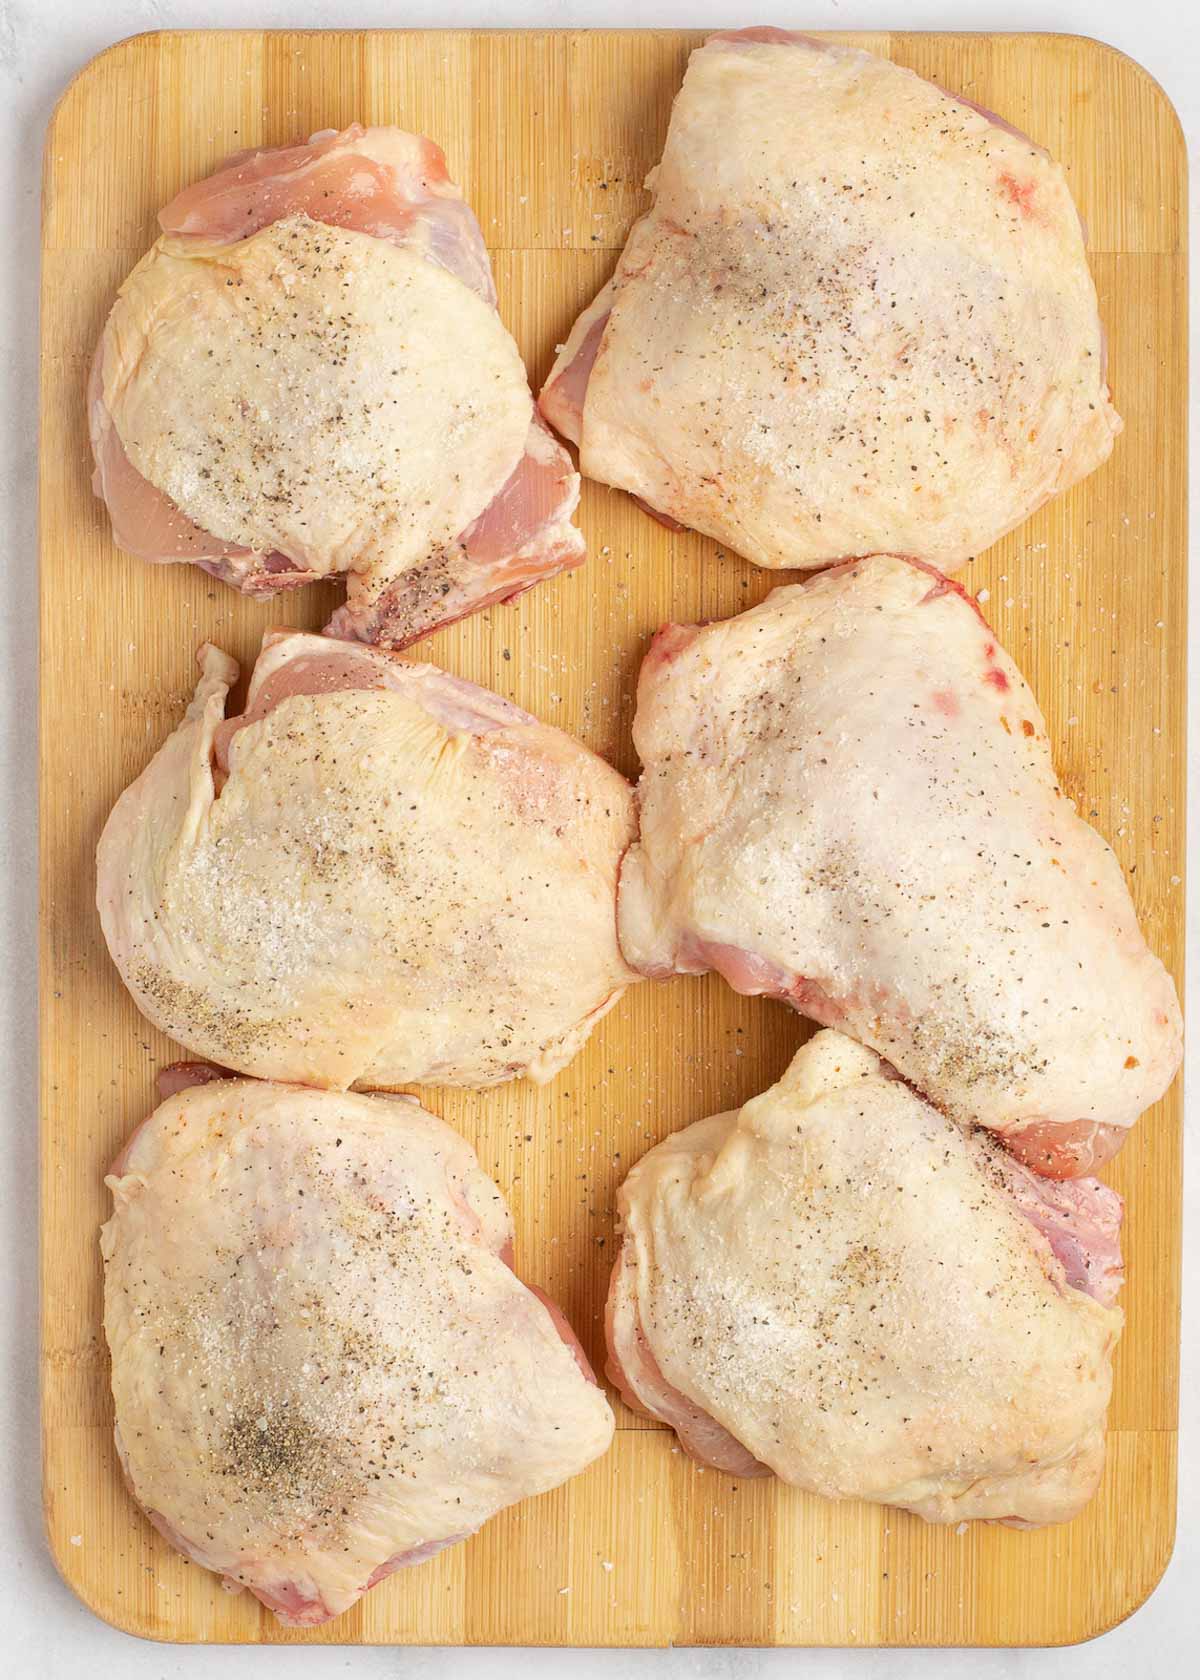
[(550, 135)]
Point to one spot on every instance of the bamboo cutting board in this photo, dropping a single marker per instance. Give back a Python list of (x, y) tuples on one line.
[(550, 135)]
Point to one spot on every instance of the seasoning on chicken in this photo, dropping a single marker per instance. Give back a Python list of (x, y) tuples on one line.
[(842, 1286), (377, 874), (306, 377), (849, 802), (323, 1364), (857, 317)]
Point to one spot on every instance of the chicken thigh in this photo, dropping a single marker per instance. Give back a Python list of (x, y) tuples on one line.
[(323, 1365), (377, 874), (857, 317), (840, 1285), (849, 802), (306, 377)]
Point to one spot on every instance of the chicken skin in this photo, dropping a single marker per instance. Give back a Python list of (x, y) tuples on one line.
[(841, 1286), (378, 874), (857, 318), (849, 802), (307, 377), (323, 1364)]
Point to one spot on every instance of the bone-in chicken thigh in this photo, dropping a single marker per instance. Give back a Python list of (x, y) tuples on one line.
[(323, 1364), (857, 317), (841, 1285), (376, 874), (307, 377), (849, 802)]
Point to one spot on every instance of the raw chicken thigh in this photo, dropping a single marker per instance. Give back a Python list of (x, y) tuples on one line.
[(857, 317), (377, 874), (848, 802), (840, 1285), (323, 1365), (306, 376)]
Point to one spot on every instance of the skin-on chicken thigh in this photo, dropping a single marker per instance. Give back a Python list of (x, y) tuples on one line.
[(378, 874), (849, 802), (843, 1286), (306, 377), (857, 318), (323, 1365)]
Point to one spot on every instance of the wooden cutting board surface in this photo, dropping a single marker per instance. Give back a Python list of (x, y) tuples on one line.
[(551, 135)]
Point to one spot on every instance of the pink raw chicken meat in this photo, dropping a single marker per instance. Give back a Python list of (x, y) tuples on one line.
[(324, 1366), (856, 317), (394, 188), (848, 801), (840, 1286), (377, 873)]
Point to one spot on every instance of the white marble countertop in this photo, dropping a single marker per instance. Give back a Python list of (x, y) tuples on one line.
[(44, 1631)]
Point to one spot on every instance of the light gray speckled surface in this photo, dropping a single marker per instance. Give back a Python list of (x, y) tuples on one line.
[(44, 1632)]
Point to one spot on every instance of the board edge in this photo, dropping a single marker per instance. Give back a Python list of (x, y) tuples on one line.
[(105, 1610)]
